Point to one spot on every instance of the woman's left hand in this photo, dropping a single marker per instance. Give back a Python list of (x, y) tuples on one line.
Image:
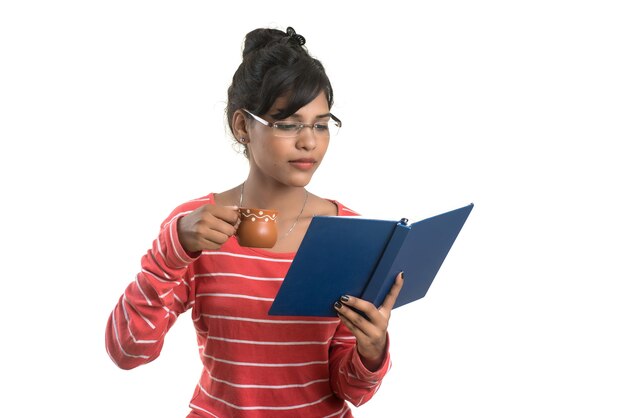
[(370, 332)]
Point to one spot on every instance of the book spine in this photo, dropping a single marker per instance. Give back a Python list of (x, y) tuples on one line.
[(382, 279)]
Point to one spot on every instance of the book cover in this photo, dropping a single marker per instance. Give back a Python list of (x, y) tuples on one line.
[(361, 257)]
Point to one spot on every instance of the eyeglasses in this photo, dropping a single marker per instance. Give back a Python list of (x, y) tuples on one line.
[(290, 129)]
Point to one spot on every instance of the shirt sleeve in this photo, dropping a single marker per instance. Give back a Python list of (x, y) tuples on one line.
[(161, 291), (349, 378)]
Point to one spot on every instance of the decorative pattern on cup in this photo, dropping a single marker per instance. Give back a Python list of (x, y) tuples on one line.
[(260, 215), (258, 227)]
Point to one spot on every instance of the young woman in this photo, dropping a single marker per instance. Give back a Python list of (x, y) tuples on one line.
[(255, 365)]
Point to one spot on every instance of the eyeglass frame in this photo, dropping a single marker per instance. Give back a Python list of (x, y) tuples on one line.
[(300, 124)]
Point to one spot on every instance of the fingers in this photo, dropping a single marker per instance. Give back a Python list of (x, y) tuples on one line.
[(367, 326), (218, 225), (229, 214), (377, 317), (220, 219), (207, 227), (356, 331), (392, 296), (213, 239)]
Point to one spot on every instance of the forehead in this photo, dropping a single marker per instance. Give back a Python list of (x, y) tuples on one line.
[(317, 106)]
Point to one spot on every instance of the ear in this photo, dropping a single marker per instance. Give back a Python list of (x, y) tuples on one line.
[(240, 125)]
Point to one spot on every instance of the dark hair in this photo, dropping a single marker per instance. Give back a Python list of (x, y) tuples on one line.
[(276, 64)]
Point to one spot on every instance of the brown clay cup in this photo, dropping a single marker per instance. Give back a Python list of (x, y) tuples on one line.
[(257, 227)]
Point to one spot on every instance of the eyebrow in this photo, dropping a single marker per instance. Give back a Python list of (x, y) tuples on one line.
[(297, 116)]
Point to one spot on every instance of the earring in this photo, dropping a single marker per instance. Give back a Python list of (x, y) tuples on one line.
[(243, 140)]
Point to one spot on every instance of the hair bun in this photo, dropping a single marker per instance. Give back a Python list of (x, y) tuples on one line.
[(263, 38)]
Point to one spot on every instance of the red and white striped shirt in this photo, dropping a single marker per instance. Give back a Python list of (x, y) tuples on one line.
[(255, 365)]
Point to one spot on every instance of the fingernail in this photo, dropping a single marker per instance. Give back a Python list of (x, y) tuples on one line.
[(345, 298), (338, 305), (402, 275)]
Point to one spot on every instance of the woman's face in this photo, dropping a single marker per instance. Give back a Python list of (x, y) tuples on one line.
[(289, 161)]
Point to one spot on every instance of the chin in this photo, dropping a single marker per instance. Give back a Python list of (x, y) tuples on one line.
[(300, 180), (301, 183)]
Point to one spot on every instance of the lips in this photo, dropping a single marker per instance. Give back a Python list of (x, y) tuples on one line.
[(303, 163)]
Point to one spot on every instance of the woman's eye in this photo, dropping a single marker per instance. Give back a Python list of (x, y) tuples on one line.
[(287, 126), (321, 126)]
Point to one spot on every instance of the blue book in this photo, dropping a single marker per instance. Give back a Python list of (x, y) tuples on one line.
[(362, 257)]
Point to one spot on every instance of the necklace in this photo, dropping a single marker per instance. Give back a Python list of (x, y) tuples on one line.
[(306, 197)]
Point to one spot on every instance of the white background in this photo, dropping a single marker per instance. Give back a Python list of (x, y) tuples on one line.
[(111, 114)]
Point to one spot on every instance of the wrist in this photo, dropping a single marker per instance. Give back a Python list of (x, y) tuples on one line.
[(373, 364), (374, 358)]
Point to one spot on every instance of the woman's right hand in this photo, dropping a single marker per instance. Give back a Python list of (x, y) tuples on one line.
[(207, 228)]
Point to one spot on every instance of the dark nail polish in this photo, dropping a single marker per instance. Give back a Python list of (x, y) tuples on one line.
[(345, 298), (338, 305), (402, 275)]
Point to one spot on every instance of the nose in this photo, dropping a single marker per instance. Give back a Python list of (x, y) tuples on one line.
[(306, 138)]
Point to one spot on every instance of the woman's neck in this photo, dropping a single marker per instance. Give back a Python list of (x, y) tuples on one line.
[(285, 199)]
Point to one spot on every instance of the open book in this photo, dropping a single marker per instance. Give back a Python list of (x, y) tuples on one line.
[(362, 257)]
